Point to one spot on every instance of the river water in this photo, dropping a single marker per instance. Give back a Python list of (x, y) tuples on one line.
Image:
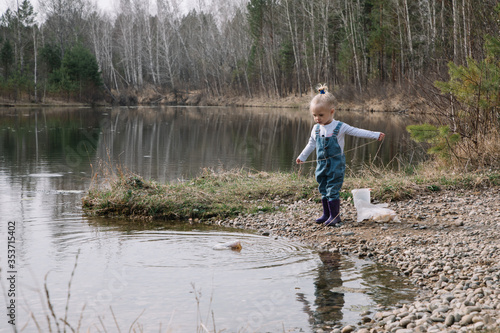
[(107, 274)]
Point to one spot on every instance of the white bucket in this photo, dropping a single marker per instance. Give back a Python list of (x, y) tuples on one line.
[(361, 194)]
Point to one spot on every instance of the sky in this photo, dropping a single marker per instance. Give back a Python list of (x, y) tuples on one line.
[(106, 5), (111, 6)]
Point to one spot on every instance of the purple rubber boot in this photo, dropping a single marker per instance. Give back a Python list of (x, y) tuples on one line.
[(326, 211), (334, 206)]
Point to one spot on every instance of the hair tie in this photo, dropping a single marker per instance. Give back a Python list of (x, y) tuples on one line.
[(322, 91)]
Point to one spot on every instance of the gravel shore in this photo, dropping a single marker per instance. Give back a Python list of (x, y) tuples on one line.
[(446, 242)]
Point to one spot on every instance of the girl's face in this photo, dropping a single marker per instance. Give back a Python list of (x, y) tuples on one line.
[(322, 114)]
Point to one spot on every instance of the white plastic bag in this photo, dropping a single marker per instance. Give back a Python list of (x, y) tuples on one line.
[(368, 211)]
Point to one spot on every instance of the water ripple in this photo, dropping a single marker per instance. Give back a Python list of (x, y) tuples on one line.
[(258, 252)]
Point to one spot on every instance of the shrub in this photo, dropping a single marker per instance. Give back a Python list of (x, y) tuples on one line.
[(471, 96)]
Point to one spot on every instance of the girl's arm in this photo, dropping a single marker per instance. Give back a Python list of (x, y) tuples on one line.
[(362, 133)]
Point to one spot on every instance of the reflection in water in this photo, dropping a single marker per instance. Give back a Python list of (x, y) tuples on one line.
[(171, 143), (175, 143), (328, 304), (386, 287), (347, 288)]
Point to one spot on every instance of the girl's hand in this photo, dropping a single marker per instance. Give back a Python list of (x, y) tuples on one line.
[(381, 137), (298, 161)]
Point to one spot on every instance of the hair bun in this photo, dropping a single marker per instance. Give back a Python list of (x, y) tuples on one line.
[(322, 89)]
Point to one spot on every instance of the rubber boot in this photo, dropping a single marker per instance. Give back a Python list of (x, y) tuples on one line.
[(326, 211), (334, 206)]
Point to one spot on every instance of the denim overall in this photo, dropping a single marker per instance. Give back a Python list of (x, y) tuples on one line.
[(331, 164)]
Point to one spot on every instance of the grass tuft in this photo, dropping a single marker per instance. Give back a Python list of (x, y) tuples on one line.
[(209, 195)]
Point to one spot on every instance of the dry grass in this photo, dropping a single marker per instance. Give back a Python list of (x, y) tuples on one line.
[(209, 195), (230, 193), (482, 151), (428, 177)]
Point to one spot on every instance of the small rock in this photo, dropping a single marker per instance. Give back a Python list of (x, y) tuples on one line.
[(348, 329), (466, 320), (478, 326), (405, 322), (450, 320), (437, 319)]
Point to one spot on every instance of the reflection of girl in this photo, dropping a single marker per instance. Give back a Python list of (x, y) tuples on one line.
[(327, 304), (327, 137)]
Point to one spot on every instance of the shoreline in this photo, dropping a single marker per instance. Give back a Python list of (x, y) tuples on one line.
[(447, 244), (392, 100)]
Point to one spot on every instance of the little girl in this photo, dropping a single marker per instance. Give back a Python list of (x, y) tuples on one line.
[(328, 139)]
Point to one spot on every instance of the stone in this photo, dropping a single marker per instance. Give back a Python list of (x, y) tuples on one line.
[(478, 326), (405, 322), (437, 319), (450, 320), (466, 320), (348, 329)]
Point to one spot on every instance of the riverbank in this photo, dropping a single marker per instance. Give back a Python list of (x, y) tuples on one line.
[(447, 240), (386, 99)]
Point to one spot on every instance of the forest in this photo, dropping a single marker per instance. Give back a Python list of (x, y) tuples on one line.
[(71, 50)]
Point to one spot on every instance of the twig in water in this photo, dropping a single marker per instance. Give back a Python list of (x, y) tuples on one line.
[(50, 326), (102, 324), (66, 324), (114, 318), (198, 314), (204, 328), (51, 308), (213, 320), (36, 322), (65, 320), (136, 319), (81, 317)]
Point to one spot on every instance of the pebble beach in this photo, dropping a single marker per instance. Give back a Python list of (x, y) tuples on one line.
[(447, 243)]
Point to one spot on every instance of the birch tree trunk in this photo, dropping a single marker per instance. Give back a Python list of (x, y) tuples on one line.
[(308, 9), (432, 11), (401, 44), (410, 39), (164, 33), (465, 11), (35, 72), (294, 38), (348, 19), (325, 51), (455, 32)]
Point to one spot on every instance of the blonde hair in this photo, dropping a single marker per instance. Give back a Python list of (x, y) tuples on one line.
[(323, 97)]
